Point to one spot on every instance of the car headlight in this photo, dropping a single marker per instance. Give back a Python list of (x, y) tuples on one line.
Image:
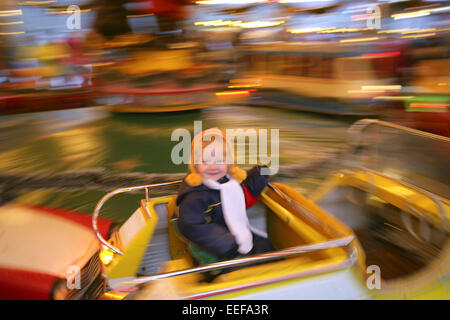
[(106, 255)]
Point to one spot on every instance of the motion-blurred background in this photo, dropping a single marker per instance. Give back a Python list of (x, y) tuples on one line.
[(101, 84)]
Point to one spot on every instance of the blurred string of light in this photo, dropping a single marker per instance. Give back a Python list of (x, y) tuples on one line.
[(326, 30), (37, 3), (217, 23), (345, 30), (240, 24), (307, 30), (65, 11), (360, 39), (11, 33), (230, 2), (10, 13), (331, 30), (214, 2), (419, 13), (247, 2), (418, 36), (303, 1), (410, 33), (7, 14), (376, 89), (10, 23)]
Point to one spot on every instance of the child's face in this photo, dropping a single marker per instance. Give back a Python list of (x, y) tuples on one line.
[(213, 165)]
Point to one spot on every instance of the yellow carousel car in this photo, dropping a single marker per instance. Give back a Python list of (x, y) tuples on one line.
[(375, 229)]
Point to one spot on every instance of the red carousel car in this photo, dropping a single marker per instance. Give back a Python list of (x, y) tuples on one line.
[(49, 253)]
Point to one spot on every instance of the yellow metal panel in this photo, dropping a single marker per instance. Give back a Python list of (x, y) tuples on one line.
[(128, 264), (330, 226), (398, 194), (432, 291), (301, 228), (177, 246), (267, 276)]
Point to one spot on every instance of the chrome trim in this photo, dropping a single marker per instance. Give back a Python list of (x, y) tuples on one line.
[(336, 243), (357, 128), (113, 193)]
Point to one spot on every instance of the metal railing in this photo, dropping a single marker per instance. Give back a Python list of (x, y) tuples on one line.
[(335, 243), (116, 192), (356, 130)]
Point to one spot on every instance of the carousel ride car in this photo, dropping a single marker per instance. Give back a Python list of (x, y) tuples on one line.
[(377, 228)]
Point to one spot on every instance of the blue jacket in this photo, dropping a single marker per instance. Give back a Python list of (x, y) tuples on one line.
[(201, 219)]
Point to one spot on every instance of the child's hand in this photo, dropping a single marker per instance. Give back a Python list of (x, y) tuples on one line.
[(256, 182)]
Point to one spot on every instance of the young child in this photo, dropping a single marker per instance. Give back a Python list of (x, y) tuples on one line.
[(213, 199)]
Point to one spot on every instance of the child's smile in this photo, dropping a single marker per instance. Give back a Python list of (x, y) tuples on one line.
[(212, 171)]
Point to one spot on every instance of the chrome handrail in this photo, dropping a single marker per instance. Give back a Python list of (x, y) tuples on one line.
[(357, 128), (115, 192), (335, 243)]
